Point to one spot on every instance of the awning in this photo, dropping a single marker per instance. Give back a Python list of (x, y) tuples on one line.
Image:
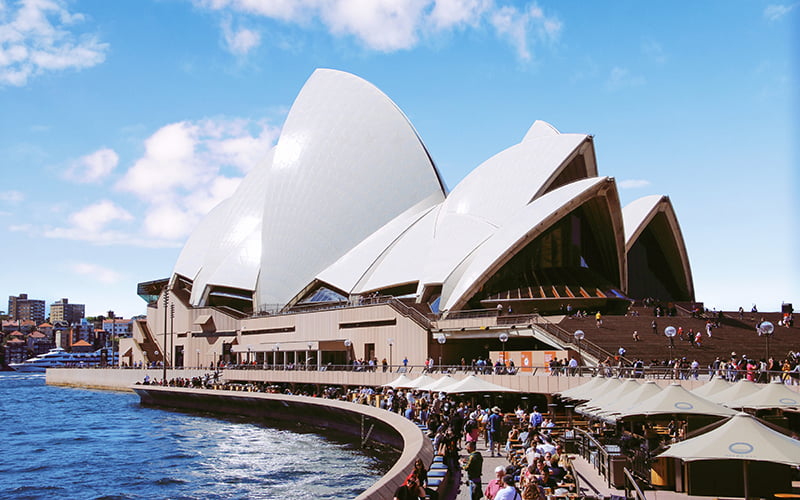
[(277, 346)]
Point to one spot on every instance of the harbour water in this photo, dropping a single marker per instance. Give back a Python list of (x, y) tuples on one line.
[(81, 444)]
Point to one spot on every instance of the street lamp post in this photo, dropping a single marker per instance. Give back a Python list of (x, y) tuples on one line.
[(198, 358), (503, 340), (164, 357), (278, 351), (441, 340), (765, 329), (670, 334), (347, 344), (391, 343), (579, 336), (308, 356)]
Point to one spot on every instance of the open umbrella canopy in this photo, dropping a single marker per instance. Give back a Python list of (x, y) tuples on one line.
[(714, 386), (599, 389), (740, 389), (607, 397), (742, 437), (583, 391), (438, 385), (674, 399), (400, 382), (774, 395), (644, 391), (420, 381), (475, 384)]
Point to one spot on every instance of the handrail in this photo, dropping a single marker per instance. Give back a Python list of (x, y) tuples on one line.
[(410, 312), (588, 443), (630, 480), (562, 334)]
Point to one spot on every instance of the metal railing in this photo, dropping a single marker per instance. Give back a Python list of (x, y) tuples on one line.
[(632, 489), (586, 346)]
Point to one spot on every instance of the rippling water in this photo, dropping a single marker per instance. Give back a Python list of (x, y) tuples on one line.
[(73, 443)]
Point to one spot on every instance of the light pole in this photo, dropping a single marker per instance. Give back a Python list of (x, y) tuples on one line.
[(347, 344), (503, 340), (308, 356), (166, 310), (198, 358), (441, 340), (278, 350), (765, 329), (670, 333), (391, 343), (249, 348), (579, 336)]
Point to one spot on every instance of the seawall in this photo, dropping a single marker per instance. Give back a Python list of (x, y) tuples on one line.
[(379, 425)]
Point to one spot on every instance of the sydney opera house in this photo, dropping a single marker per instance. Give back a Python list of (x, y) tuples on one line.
[(344, 243)]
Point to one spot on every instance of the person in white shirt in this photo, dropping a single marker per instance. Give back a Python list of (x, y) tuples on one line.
[(509, 491)]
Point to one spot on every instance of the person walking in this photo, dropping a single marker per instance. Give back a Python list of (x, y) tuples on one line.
[(473, 465)]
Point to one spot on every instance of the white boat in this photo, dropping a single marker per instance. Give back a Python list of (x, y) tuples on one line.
[(59, 358)]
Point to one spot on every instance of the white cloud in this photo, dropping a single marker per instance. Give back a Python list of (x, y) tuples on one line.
[(383, 25), (520, 26), (35, 39), (12, 197), (621, 78), (93, 167), (391, 25), (240, 41), (96, 217), (189, 167), (91, 224), (99, 273), (633, 183), (447, 14), (774, 12), (654, 51)]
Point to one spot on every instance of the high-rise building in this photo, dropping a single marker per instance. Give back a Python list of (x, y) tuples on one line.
[(62, 310), (23, 308)]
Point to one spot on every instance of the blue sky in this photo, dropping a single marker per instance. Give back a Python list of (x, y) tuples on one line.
[(122, 123)]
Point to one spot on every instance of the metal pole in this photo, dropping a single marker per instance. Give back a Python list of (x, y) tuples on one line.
[(163, 353)]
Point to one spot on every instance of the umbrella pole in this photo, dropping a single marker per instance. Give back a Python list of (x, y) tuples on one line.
[(744, 470)]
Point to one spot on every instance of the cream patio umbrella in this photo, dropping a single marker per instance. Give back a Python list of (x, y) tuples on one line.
[(644, 391), (743, 437), (599, 389), (438, 385), (736, 391), (583, 391), (676, 400), (593, 406), (400, 382), (420, 381), (772, 395), (715, 385), (475, 384)]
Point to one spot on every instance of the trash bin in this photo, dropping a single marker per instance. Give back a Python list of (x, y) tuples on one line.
[(618, 463)]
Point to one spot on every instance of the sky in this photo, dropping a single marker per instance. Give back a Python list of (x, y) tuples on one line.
[(122, 123)]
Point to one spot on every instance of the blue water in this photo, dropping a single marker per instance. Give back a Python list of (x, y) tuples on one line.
[(72, 443)]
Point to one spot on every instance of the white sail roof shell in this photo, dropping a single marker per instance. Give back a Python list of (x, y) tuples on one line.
[(429, 250), (525, 225), (637, 214), (346, 163), (225, 249)]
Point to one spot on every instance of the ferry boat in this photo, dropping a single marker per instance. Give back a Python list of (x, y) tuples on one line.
[(59, 358)]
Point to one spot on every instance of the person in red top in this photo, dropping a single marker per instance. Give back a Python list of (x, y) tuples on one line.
[(495, 484)]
